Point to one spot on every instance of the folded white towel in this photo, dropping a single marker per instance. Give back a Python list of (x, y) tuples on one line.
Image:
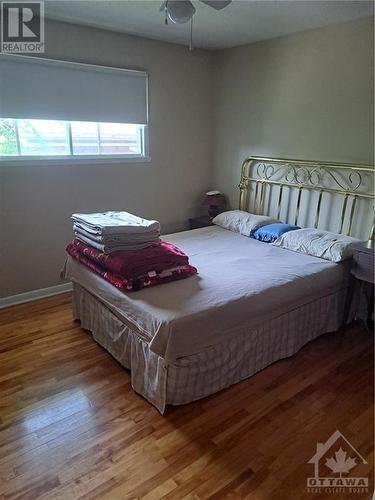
[(115, 223), (113, 239), (109, 248)]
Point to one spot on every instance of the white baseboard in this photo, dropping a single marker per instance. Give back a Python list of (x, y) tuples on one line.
[(34, 295)]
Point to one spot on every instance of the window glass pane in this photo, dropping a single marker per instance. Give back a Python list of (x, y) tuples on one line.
[(20, 137), (8, 141), (43, 137), (85, 138), (120, 138)]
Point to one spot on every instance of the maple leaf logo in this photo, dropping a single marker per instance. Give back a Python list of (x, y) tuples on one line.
[(340, 464)]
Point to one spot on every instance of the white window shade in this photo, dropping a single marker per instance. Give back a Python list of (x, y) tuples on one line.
[(38, 88)]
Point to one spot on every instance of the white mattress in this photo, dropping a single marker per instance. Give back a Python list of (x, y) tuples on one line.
[(241, 283)]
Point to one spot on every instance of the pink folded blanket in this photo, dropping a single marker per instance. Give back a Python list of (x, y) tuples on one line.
[(130, 264)]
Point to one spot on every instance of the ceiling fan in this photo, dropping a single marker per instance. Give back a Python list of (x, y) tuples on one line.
[(182, 11)]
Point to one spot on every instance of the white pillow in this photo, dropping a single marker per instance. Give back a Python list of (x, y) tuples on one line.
[(318, 243), (241, 222)]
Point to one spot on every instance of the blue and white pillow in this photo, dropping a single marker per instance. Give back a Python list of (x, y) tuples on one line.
[(271, 232)]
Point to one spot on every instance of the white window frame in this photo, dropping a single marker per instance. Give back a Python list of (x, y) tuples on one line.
[(78, 159)]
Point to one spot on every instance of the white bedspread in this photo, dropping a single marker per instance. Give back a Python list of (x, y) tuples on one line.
[(241, 282)]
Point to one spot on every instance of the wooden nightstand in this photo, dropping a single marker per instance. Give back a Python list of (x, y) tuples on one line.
[(202, 221), (363, 257), (362, 272)]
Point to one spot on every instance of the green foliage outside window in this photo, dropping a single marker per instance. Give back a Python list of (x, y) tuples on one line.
[(8, 143)]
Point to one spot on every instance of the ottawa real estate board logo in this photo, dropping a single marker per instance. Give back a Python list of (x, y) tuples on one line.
[(338, 468), (22, 27)]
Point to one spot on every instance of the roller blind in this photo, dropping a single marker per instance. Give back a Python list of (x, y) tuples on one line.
[(32, 87)]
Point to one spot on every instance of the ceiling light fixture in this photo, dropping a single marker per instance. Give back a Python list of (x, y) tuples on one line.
[(182, 11), (178, 11)]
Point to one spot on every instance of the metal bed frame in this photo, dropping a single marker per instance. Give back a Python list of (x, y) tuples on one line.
[(350, 181)]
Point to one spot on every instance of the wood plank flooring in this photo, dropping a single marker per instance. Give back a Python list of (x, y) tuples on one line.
[(71, 426)]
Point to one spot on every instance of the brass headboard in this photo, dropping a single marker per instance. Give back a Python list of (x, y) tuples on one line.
[(288, 182)]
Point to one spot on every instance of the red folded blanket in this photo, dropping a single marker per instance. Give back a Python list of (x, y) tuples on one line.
[(151, 278), (130, 264)]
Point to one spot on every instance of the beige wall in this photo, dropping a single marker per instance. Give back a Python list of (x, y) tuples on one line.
[(37, 201), (308, 95)]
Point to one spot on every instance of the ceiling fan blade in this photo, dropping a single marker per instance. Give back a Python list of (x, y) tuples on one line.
[(217, 4)]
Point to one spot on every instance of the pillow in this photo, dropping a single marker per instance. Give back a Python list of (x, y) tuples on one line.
[(271, 232), (318, 243), (241, 222)]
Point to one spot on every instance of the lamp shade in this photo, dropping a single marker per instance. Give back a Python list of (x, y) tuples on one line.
[(214, 199)]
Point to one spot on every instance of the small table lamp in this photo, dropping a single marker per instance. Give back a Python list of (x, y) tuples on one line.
[(215, 201)]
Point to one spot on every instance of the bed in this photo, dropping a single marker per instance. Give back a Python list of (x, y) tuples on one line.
[(250, 305)]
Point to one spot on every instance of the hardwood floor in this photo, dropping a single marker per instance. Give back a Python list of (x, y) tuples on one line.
[(71, 426)]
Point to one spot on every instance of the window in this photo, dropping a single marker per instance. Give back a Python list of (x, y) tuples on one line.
[(61, 110), (54, 138)]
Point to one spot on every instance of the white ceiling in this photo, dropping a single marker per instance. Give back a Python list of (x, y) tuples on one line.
[(243, 21)]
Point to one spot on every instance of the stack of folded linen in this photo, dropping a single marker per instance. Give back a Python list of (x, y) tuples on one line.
[(131, 270), (113, 231), (126, 250)]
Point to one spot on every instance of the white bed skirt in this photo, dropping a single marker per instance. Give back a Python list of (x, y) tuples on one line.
[(199, 375)]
